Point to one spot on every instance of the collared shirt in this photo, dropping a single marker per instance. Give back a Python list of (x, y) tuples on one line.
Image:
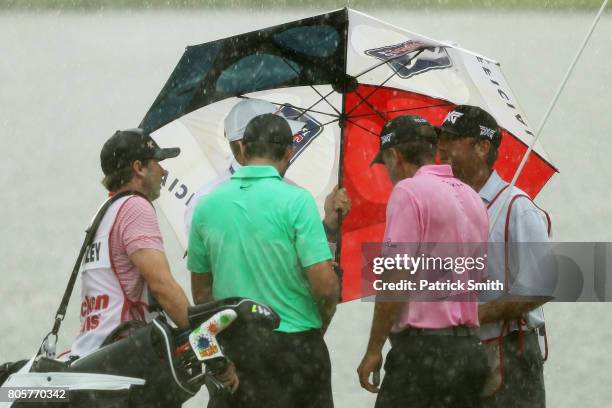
[(206, 189), (527, 224), (435, 207), (256, 234), (135, 228)]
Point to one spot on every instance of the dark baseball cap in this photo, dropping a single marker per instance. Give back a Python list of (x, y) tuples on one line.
[(268, 128), (127, 146), (402, 129), (471, 121)]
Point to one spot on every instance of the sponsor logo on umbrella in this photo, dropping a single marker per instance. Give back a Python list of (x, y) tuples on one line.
[(401, 58), (311, 129)]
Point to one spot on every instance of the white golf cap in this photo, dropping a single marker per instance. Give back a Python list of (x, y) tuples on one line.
[(241, 114)]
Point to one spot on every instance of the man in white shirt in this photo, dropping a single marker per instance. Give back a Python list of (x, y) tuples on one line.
[(469, 141)]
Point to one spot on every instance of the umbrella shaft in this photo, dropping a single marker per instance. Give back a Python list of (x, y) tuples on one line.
[(548, 112)]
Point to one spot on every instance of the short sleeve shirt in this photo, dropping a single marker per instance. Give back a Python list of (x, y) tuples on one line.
[(256, 234), (435, 207), (135, 228), (527, 224)]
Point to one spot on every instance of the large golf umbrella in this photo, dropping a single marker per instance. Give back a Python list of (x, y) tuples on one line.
[(343, 74)]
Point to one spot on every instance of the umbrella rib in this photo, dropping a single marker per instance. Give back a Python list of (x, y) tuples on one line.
[(371, 93), (316, 103), (381, 85), (362, 127), (376, 111), (303, 110), (322, 125), (328, 123), (323, 98), (403, 110)]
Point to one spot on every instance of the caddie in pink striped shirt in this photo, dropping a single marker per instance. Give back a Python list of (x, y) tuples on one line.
[(126, 259)]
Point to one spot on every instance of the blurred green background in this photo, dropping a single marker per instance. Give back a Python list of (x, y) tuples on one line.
[(369, 4)]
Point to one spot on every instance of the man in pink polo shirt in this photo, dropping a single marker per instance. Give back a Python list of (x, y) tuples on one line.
[(436, 358)]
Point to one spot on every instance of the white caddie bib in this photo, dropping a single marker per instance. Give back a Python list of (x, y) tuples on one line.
[(104, 306)]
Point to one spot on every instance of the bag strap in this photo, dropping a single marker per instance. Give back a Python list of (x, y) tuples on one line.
[(48, 345)]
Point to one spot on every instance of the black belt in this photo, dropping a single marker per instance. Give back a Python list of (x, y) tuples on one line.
[(461, 331)]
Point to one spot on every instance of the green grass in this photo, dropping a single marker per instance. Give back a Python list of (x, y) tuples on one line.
[(257, 4)]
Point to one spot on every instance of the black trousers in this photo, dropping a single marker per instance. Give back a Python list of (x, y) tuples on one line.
[(523, 385), (278, 370), (433, 372)]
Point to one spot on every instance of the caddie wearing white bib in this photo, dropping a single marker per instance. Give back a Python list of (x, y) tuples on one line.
[(126, 258), (518, 253), (104, 305)]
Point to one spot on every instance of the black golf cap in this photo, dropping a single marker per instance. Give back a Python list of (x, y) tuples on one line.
[(268, 128), (402, 129), (471, 121), (127, 146)]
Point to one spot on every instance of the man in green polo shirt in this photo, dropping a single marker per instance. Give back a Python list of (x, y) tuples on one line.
[(261, 238)]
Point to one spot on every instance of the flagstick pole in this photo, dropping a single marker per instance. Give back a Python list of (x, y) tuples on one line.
[(548, 112)]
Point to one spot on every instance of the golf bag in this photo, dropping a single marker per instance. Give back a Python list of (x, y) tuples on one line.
[(155, 366)]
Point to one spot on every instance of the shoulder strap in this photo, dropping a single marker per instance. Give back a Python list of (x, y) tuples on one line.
[(506, 244), (507, 230), (548, 221), (48, 345), (497, 196), (507, 239)]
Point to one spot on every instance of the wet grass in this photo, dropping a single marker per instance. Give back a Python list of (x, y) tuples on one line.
[(258, 4)]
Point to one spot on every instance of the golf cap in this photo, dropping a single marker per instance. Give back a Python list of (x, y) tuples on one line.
[(268, 128), (241, 114), (127, 146), (471, 121), (402, 129)]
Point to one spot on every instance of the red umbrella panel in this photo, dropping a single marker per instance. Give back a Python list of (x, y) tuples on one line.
[(369, 186)]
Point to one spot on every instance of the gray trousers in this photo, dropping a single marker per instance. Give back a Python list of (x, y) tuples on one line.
[(523, 385)]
